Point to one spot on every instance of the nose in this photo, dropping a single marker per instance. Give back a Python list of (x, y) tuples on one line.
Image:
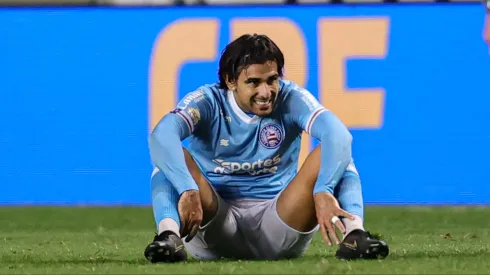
[(264, 91)]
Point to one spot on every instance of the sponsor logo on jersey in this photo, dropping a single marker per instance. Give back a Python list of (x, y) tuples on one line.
[(270, 136), (195, 97), (255, 168)]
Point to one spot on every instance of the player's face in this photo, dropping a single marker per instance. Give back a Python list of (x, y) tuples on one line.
[(257, 87)]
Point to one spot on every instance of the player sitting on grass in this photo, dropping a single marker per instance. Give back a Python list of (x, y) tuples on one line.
[(236, 191)]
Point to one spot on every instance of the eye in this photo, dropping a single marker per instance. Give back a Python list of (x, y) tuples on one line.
[(253, 82), (271, 80)]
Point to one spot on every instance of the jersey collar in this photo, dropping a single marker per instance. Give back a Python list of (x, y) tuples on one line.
[(239, 112)]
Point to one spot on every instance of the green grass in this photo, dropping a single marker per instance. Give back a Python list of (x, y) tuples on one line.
[(423, 240)]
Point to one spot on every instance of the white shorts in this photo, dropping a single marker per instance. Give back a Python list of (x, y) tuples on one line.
[(248, 229)]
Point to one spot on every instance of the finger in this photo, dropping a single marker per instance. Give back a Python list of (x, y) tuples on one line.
[(194, 223), (340, 226), (332, 233), (183, 230), (193, 232), (325, 235), (183, 223), (187, 227), (345, 214)]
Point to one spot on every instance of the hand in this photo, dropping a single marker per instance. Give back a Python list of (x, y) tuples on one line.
[(190, 212), (326, 207)]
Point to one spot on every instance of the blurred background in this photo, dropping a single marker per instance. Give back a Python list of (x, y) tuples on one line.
[(84, 81)]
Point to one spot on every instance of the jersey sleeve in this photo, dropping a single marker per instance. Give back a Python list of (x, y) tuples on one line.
[(303, 108), (305, 111), (190, 114), (194, 111)]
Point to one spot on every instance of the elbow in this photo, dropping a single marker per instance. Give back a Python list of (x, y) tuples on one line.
[(339, 130), (347, 138), (166, 126), (155, 146), (152, 141), (335, 129), (153, 138), (337, 137), (162, 134)]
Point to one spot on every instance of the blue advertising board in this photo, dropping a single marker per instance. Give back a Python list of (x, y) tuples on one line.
[(81, 88)]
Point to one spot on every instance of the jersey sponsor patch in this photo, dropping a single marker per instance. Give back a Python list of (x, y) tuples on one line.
[(271, 136), (253, 168), (195, 97)]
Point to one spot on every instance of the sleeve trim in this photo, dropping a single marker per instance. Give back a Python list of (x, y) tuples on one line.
[(311, 120), (187, 120)]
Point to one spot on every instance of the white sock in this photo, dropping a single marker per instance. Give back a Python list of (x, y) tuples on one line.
[(168, 224), (351, 225)]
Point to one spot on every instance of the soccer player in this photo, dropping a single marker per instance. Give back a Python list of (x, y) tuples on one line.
[(236, 191)]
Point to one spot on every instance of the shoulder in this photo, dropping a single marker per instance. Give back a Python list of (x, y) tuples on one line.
[(209, 93), (287, 86), (291, 94), (291, 89)]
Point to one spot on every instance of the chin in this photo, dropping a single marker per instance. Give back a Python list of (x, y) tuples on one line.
[(263, 113)]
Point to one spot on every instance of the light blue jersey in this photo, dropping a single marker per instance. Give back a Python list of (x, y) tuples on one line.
[(245, 156)]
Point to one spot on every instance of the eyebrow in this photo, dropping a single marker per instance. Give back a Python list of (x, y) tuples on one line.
[(252, 79)]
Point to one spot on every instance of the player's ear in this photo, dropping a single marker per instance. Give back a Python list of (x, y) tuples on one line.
[(231, 83)]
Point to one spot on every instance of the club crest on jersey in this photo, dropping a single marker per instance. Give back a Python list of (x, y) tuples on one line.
[(270, 136)]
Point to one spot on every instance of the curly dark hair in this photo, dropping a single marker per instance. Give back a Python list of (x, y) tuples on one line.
[(246, 50)]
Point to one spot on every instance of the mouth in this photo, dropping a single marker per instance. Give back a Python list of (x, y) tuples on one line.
[(264, 105), (262, 102)]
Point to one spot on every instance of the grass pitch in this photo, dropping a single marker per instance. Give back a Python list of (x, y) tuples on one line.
[(55, 240)]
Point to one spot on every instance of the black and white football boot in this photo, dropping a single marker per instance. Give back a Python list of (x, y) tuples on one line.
[(166, 248), (360, 244)]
